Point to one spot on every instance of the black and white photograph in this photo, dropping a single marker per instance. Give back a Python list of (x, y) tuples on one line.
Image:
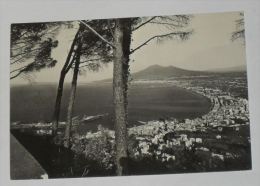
[(153, 95)]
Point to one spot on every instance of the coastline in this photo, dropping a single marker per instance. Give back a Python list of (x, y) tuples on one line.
[(165, 140)]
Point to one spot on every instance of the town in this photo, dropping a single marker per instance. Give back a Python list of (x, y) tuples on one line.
[(216, 141)]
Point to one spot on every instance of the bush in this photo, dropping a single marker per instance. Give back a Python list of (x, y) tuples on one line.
[(99, 148)]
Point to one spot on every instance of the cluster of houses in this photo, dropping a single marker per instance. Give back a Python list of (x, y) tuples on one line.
[(161, 139), (158, 137)]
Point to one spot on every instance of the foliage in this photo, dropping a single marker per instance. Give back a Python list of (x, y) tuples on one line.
[(95, 53), (31, 45), (98, 148), (240, 29)]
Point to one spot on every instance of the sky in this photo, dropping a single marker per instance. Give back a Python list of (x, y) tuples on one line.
[(209, 47)]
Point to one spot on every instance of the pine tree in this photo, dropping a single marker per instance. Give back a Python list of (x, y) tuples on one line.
[(31, 46)]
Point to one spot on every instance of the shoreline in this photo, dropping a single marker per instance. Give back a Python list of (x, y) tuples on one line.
[(163, 112), (165, 141)]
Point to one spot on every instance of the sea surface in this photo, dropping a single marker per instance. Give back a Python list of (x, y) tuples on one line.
[(147, 101)]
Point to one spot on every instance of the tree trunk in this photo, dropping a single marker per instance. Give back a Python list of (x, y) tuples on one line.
[(126, 52), (56, 114), (72, 99), (120, 97)]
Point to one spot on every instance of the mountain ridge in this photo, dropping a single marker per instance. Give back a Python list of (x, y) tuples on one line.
[(158, 72)]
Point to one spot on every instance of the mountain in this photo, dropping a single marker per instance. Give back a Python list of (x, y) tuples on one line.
[(157, 72)]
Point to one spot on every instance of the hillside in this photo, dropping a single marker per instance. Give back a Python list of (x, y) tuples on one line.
[(159, 72)]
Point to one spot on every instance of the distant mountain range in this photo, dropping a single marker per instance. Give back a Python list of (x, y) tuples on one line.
[(160, 72), (157, 72)]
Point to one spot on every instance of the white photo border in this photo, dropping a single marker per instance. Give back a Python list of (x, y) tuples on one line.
[(14, 11)]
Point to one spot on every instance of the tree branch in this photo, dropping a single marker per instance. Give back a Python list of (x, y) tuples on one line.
[(19, 69), (26, 52), (87, 65), (91, 66), (65, 68), (17, 60), (176, 19), (70, 64), (91, 60), (110, 30), (238, 34), (164, 23), (157, 36), (97, 34), (16, 75), (18, 48), (134, 29)]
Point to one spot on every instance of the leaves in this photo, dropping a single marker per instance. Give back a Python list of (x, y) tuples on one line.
[(31, 45), (240, 29)]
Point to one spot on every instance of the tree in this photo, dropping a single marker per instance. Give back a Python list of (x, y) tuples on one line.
[(94, 53), (31, 45), (72, 95), (65, 69), (34, 41), (122, 39), (121, 58), (119, 31), (122, 30), (90, 54), (240, 29)]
